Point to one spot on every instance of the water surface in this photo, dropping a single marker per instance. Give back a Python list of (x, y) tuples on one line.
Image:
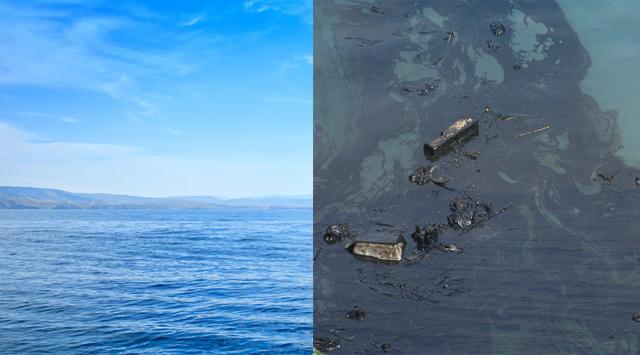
[(155, 281)]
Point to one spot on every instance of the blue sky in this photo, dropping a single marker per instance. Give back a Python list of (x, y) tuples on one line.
[(157, 98)]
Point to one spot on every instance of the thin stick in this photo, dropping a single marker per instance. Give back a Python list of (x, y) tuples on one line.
[(533, 131)]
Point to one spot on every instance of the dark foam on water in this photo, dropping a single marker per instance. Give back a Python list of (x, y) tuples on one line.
[(223, 281), (559, 270)]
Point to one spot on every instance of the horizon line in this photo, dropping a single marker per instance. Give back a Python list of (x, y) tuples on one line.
[(309, 195)]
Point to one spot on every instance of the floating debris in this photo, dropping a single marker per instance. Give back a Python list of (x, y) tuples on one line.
[(450, 248), (607, 178), (427, 236), (636, 317), (356, 313), (377, 10), (637, 181), (363, 42), (449, 37), (508, 117), (459, 132), (385, 347), (407, 90), (382, 245), (336, 233), (324, 345), (466, 212), (428, 88), (517, 67), (424, 175), (497, 28), (471, 155), (493, 46), (545, 127)]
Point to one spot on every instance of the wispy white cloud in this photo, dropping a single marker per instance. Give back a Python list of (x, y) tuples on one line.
[(29, 159), (43, 47), (193, 20), (63, 118), (301, 8)]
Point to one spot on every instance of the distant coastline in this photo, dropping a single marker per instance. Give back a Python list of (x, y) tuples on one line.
[(18, 197)]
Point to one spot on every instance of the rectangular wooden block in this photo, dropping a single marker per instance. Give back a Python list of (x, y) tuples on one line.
[(382, 245), (460, 131)]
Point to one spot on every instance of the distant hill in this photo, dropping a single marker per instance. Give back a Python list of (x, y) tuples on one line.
[(35, 198)]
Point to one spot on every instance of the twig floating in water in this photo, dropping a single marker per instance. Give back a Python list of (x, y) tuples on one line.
[(533, 131), (449, 37)]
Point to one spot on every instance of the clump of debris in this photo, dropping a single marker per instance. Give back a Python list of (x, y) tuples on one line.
[(356, 313), (466, 212), (497, 28), (336, 233), (387, 245), (424, 175)]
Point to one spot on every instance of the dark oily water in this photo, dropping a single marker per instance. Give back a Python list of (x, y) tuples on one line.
[(191, 281), (557, 270)]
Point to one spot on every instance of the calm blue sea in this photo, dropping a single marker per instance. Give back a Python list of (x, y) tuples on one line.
[(156, 281)]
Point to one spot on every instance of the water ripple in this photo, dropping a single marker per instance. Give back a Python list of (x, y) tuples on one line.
[(221, 281)]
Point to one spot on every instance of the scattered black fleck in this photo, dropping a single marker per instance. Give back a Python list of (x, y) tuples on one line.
[(471, 155), (363, 42), (325, 344), (517, 67), (449, 286), (377, 10), (637, 181), (356, 313), (336, 233), (407, 90), (385, 347), (493, 46), (427, 89), (497, 28), (636, 316), (607, 178)]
